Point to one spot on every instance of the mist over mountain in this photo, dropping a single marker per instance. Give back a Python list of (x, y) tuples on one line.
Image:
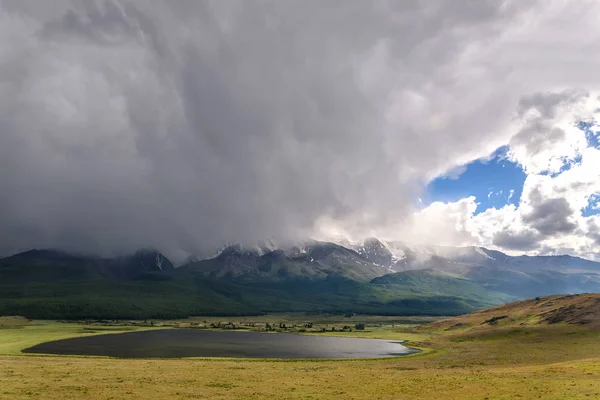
[(373, 276), (519, 276)]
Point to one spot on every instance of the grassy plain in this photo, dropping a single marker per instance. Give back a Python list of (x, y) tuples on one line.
[(557, 361), (16, 335)]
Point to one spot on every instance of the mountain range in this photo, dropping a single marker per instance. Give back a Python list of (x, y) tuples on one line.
[(374, 276)]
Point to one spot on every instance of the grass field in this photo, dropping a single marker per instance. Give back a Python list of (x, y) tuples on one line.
[(16, 335), (547, 362)]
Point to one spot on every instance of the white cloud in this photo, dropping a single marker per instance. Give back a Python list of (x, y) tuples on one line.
[(548, 220), (441, 223), (511, 193), (548, 138)]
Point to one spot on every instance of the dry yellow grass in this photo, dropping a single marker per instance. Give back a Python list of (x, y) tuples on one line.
[(558, 361), (13, 322), (18, 333), (86, 378), (578, 309)]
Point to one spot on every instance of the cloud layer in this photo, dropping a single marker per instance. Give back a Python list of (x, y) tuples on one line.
[(186, 124)]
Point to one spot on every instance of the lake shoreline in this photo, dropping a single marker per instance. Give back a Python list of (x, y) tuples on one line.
[(188, 343)]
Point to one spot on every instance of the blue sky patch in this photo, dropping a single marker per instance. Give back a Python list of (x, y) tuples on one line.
[(592, 132), (494, 183), (567, 165), (593, 206)]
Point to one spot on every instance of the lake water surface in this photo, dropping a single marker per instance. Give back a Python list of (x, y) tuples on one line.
[(176, 343)]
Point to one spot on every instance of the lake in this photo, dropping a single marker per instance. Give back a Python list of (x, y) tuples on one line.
[(177, 343)]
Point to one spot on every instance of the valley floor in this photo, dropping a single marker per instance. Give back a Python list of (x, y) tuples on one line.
[(547, 362)]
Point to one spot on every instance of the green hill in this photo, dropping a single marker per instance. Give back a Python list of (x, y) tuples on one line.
[(417, 282), (55, 285)]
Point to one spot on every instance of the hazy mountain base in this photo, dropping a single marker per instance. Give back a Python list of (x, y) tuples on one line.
[(180, 297)]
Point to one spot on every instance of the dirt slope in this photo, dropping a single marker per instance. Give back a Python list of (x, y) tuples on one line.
[(581, 309), (12, 321)]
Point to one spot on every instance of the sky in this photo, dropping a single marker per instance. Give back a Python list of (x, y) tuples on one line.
[(185, 125), (495, 181)]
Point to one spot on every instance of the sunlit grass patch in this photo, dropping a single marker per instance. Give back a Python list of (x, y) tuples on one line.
[(13, 341)]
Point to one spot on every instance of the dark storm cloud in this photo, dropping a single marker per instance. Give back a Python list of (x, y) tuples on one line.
[(593, 231), (549, 216), (539, 110), (525, 240), (185, 124)]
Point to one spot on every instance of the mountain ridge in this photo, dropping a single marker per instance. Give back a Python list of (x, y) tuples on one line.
[(313, 276)]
